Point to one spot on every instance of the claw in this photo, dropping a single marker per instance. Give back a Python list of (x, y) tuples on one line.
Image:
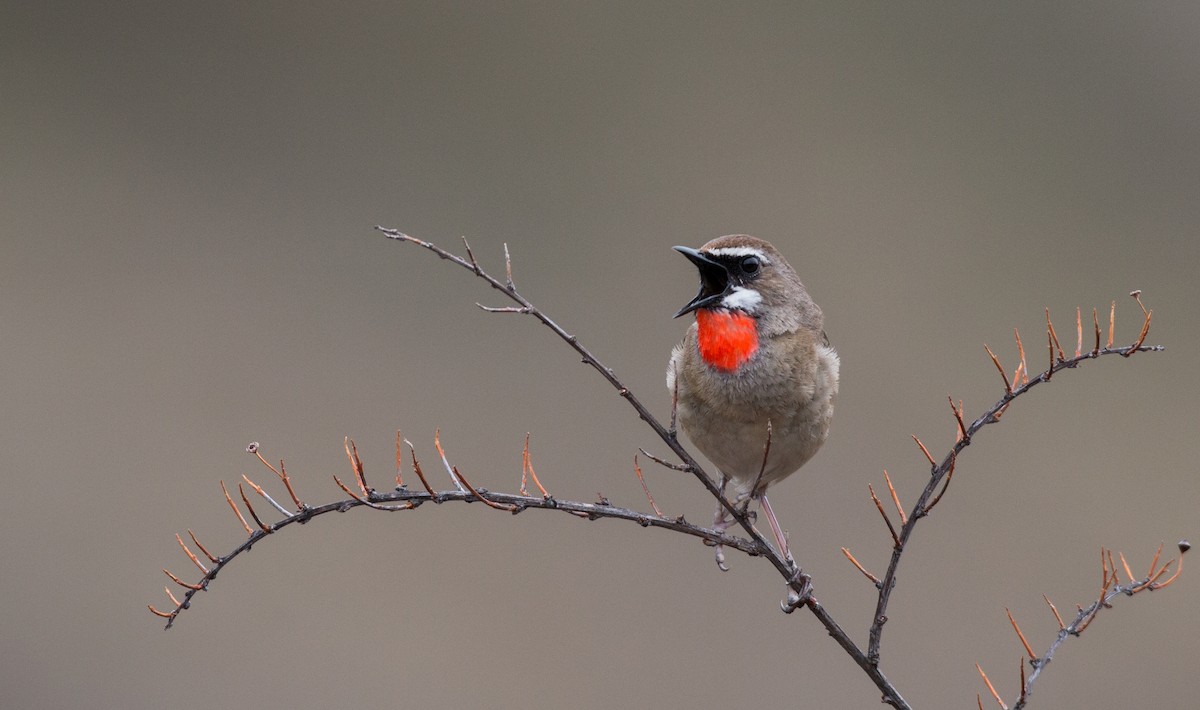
[(795, 599)]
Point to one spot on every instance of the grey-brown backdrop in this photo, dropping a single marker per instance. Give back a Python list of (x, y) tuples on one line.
[(188, 264)]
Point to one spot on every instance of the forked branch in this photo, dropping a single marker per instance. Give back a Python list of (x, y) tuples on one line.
[(799, 583), (1110, 589), (942, 470)]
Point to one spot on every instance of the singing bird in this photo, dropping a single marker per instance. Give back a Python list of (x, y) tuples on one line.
[(756, 360)]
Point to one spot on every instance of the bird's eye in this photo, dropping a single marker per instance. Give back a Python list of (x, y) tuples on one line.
[(750, 265)]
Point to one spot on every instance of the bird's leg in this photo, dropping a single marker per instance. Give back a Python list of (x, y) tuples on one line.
[(673, 430), (776, 530), (721, 522)]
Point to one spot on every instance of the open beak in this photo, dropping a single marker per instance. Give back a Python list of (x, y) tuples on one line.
[(714, 280)]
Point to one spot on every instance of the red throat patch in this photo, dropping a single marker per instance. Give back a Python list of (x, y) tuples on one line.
[(726, 339)]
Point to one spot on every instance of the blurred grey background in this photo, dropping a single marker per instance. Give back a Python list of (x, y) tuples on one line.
[(188, 264)]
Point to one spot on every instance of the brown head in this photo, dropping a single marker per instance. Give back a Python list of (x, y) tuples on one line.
[(748, 277)]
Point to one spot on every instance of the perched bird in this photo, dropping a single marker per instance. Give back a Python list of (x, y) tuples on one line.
[(755, 379)]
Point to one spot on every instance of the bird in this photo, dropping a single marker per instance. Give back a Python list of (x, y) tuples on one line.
[(755, 379)]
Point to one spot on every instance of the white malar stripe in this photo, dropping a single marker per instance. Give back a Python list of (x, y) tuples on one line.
[(740, 251), (742, 299)]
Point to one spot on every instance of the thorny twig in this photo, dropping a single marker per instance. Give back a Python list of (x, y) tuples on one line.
[(411, 500), (756, 545), (1109, 591), (942, 470)]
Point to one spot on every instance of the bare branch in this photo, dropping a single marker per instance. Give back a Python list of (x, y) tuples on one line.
[(409, 500), (942, 470), (799, 584), (1085, 616)]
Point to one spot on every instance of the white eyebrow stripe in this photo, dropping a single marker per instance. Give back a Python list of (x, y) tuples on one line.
[(740, 251), (743, 299)]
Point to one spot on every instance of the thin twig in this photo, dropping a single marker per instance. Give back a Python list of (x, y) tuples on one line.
[(946, 485), (180, 582), (1050, 349), (250, 508), (1024, 690), (1023, 368), (362, 500), (527, 466), (1137, 296), (259, 489), (879, 506), (399, 451), (663, 462), (408, 500), (1154, 561), (925, 451), (958, 412), (356, 465), (1112, 323), (641, 479), (895, 498), (1178, 570), (203, 549), (191, 556), (859, 567), (1054, 336), (163, 614), (1079, 331), (238, 513), (996, 361), (1024, 642), (1054, 609), (1085, 616), (797, 581), (1125, 564), (491, 504), (941, 471), (420, 473), (437, 444), (281, 472), (470, 255), (991, 688)]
